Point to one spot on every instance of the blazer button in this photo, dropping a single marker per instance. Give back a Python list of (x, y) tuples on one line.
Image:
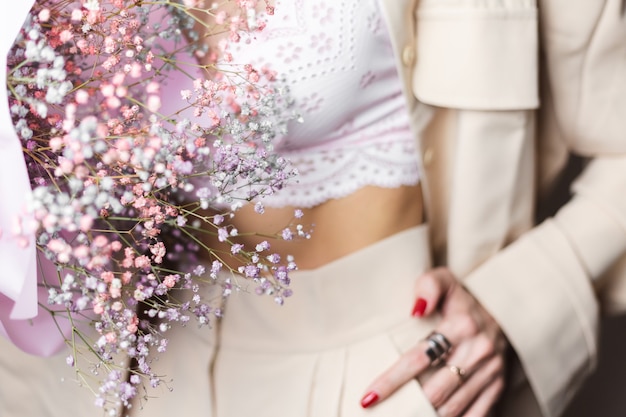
[(408, 55)]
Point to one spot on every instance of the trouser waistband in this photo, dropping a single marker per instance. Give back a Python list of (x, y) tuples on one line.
[(345, 300)]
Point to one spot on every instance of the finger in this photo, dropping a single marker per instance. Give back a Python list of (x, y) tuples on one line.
[(443, 383), (470, 356), (460, 329), (430, 289), (470, 393), (410, 364), (486, 400)]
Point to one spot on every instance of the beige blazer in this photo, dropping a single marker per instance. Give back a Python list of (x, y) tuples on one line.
[(515, 86)]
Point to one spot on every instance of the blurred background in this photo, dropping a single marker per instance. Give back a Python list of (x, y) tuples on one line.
[(604, 394)]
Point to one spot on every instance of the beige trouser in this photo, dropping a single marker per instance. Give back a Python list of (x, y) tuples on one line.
[(313, 357)]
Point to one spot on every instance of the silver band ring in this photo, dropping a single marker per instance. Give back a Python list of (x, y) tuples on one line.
[(459, 372), (443, 341), (438, 347), (434, 353)]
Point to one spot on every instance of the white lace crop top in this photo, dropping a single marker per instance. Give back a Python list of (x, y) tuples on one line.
[(339, 64)]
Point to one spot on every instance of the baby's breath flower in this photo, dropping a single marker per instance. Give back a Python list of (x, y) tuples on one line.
[(119, 189)]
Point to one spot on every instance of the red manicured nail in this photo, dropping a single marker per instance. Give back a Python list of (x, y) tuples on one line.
[(369, 399), (419, 308)]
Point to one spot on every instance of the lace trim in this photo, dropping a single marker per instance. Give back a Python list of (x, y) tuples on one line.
[(336, 173)]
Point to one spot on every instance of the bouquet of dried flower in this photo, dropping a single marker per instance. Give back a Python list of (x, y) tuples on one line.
[(126, 190)]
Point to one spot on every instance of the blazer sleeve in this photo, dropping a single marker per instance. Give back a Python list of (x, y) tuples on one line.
[(555, 272)]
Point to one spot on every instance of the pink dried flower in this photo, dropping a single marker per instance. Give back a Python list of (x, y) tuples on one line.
[(107, 276), (81, 252), (44, 15), (98, 308), (154, 103), (86, 221), (77, 15), (66, 36), (170, 281), (100, 241), (158, 252), (126, 277), (111, 337), (109, 171), (142, 262)]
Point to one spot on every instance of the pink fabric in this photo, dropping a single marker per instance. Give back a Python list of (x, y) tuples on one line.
[(18, 273)]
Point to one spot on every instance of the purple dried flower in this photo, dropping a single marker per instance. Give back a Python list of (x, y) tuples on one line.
[(117, 189), (287, 234), (252, 271), (274, 258), (216, 267), (236, 248), (199, 270), (222, 234), (281, 274), (260, 247)]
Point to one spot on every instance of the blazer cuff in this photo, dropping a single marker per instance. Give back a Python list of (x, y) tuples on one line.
[(540, 294)]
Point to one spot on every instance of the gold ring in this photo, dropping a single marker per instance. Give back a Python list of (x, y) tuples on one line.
[(459, 372)]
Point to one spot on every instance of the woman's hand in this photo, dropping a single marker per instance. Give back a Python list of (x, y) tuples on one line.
[(472, 377)]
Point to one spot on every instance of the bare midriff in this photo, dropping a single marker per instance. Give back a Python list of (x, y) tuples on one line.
[(339, 226)]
